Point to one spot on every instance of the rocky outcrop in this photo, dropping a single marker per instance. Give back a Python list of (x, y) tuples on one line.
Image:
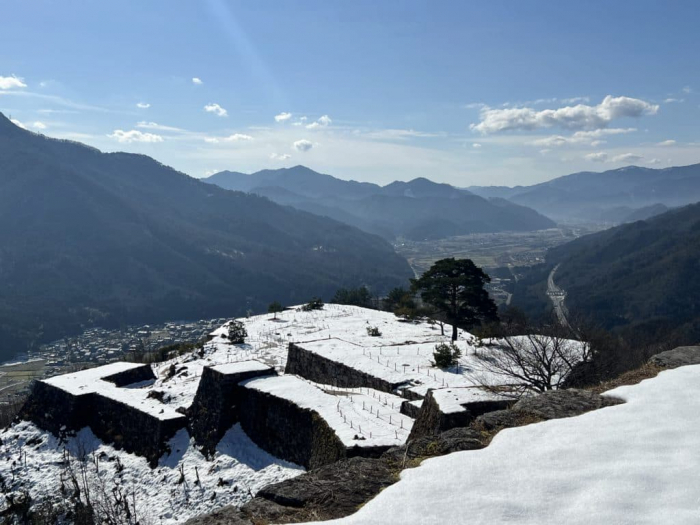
[(319, 369), (330, 492), (218, 401), (339, 489), (431, 420), (681, 356), (555, 404)]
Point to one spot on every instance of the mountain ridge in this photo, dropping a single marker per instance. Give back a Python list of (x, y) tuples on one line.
[(118, 238), (417, 209), (589, 196)]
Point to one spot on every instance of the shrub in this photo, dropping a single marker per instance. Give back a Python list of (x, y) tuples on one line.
[(314, 304), (446, 355), (373, 331), (237, 332)]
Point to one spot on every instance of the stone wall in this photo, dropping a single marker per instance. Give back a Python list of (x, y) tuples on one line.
[(322, 370), (288, 431), (432, 421), (216, 405), (129, 377), (122, 425)]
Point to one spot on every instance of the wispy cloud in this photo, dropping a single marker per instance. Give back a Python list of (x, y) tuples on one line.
[(12, 82), (134, 136), (216, 109), (280, 156), (601, 156), (627, 157), (581, 137), (143, 105), (399, 134), (580, 116), (669, 142), (156, 126)]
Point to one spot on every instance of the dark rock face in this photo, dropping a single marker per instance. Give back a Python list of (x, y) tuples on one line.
[(454, 440), (216, 405), (410, 410), (129, 377), (559, 404), (681, 356), (288, 431), (498, 419), (556, 404), (330, 492), (322, 370), (343, 486), (431, 420)]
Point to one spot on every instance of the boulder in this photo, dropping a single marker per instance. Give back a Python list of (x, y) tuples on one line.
[(557, 404), (681, 356)]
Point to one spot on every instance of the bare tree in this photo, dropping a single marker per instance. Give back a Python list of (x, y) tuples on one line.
[(517, 364)]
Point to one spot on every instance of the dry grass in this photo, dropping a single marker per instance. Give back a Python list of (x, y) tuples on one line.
[(646, 371)]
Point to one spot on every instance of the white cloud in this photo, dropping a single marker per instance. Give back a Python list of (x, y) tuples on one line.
[(654, 161), (12, 82), (238, 137), (599, 156), (626, 157), (687, 89), (209, 173), (476, 145), (18, 123), (38, 125), (134, 136), (303, 145), (581, 137), (280, 156), (143, 105), (671, 100), (322, 122), (216, 109), (283, 117), (211, 140), (154, 125), (580, 116), (666, 143), (197, 81)]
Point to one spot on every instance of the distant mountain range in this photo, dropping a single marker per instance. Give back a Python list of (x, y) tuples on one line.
[(617, 195), (641, 279), (90, 238), (419, 209)]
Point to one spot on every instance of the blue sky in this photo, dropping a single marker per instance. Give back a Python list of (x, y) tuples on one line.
[(461, 92)]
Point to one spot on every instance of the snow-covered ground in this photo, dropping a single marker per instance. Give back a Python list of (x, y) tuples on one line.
[(635, 463), (238, 470), (402, 353)]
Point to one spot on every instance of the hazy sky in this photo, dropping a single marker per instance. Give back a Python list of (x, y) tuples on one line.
[(462, 92)]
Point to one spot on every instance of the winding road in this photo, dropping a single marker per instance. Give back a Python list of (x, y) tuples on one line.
[(557, 296)]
